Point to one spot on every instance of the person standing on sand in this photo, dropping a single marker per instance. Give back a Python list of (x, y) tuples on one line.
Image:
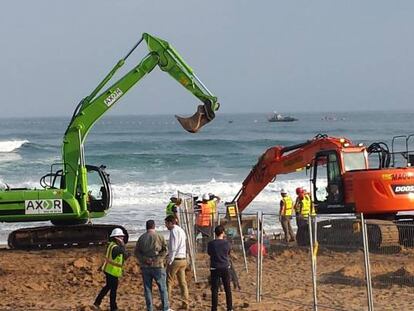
[(151, 252), (219, 251), (298, 205), (204, 221), (172, 207), (115, 257), (214, 200), (177, 261), (285, 212)]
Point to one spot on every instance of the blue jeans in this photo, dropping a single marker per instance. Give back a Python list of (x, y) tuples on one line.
[(159, 275)]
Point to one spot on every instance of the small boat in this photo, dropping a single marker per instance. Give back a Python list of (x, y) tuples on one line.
[(277, 117), (329, 118)]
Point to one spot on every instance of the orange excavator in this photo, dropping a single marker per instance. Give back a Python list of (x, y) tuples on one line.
[(343, 181)]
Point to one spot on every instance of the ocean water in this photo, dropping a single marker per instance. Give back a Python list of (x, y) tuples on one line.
[(151, 157)]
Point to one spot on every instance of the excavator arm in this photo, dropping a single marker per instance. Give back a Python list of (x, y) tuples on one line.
[(92, 107), (282, 160), (71, 204)]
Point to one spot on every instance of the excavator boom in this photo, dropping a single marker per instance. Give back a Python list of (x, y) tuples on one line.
[(282, 160), (92, 107)]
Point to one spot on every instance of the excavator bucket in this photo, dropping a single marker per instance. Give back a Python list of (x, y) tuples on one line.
[(196, 121)]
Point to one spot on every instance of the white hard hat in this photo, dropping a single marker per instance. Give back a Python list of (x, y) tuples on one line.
[(283, 191), (117, 232), (206, 197)]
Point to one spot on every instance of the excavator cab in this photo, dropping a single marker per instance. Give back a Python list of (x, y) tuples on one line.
[(99, 189), (328, 192)]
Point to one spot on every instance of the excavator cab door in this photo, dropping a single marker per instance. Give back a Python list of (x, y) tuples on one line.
[(99, 189), (328, 192)]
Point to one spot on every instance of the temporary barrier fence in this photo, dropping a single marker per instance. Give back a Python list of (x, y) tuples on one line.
[(341, 262), (391, 264), (286, 275), (347, 263), (187, 223)]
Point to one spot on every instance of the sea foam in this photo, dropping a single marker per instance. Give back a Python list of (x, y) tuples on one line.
[(157, 194), (11, 145)]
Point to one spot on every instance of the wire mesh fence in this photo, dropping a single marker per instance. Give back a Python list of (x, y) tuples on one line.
[(332, 263), (392, 264), (335, 263), (288, 258), (340, 273)]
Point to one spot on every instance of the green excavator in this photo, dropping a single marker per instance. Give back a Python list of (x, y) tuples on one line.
[(67, 200)]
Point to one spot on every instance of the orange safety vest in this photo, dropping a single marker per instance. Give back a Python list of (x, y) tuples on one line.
[(204, 218)]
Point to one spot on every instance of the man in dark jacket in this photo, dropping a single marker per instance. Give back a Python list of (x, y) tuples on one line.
[(151, 251), (115, 257), (219, 251)]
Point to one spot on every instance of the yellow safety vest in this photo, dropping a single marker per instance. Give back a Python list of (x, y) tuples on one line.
[(306, 206), (213, 206), (169, 209), (113, 266), (288, 204), (313, 212)]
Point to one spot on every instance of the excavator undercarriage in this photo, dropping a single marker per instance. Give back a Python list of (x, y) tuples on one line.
[(62, 236), (347, 233)]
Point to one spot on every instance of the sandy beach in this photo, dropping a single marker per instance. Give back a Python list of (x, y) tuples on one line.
[(69, 279)]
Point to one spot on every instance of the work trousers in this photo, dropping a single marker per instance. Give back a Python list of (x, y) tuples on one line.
[(224, 275), (206, 235), (302, 221), (177, 270), (159, 275), (287, 228), (111, 285)]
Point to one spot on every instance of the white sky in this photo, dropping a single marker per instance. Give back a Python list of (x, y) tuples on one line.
[(255, 56)]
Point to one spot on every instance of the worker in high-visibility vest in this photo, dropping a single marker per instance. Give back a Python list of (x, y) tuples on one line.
[(285, 212), (204, 220), (172, 207), (298, 204), (115, 257), (213, 202), (306, 208)]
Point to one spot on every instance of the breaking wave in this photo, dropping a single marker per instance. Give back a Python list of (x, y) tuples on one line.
[(11, 145), (157, 194)]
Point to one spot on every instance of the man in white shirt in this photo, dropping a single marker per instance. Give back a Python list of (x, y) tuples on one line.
[(177, 262)]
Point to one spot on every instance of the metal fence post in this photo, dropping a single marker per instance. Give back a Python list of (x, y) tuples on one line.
[(313, 250), (261, 256), (257, 259), (367, 263), (241, 238), (186, 224), (191, 242)]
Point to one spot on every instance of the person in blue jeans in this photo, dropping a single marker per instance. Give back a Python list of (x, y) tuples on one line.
[(151, 252)]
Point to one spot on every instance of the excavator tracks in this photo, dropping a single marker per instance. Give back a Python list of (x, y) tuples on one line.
[(62, 236), (382, 234), (347, 233)]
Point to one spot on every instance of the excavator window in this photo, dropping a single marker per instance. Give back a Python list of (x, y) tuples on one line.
[(98, 198), (354, 161), (320, 178), (327, 179)]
